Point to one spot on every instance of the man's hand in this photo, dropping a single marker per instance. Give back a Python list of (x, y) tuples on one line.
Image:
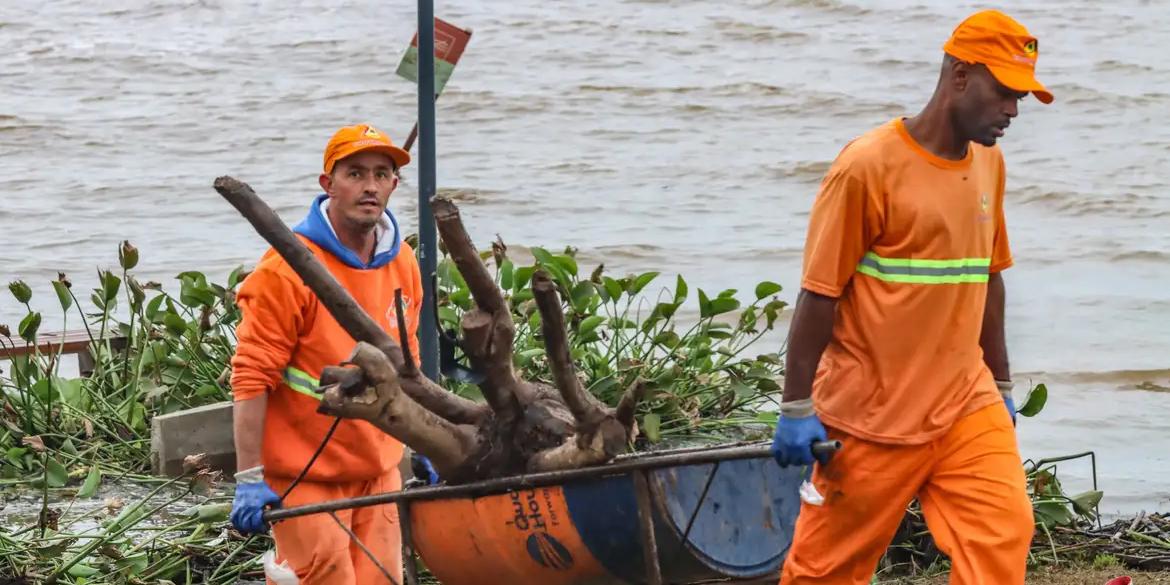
[(252, 496), (796, 431), (422, 468)]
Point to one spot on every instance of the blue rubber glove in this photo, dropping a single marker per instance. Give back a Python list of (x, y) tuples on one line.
[(1005, 389), (792, 443), (252, 495), (426, 467)]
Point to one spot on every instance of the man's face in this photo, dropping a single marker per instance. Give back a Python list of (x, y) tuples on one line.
[(360, 186), (985, 106)]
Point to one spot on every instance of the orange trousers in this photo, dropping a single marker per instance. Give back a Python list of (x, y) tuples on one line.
[(970, 483), (321, 552)]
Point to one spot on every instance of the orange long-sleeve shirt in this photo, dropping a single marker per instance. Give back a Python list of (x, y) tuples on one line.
[(286, 338)]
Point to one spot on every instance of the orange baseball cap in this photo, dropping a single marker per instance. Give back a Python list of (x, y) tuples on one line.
[(358, 138), (1003, 45)]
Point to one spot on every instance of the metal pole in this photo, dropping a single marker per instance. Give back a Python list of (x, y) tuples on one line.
[(503, 484), (428, 251)]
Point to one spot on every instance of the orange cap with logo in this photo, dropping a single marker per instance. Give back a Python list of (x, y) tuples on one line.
[(358, 138), (1004, 46)]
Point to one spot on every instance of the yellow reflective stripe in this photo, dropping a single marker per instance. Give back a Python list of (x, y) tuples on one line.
[(929, 263), (302, 382), (925, 271), (923, 279)]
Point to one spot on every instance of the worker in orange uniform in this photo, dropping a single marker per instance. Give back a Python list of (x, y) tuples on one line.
[(897, 346), (286, 337)]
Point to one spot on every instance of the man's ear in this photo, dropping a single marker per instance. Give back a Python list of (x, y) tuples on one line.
[(326, 183), (961, 75)]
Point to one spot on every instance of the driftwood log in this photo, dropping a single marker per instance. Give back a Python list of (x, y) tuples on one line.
[(522, 427)]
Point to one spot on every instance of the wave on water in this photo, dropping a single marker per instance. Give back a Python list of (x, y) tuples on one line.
[(1124, 204), (737, 30), (469, 195), (1073, 94), (625, 252), (1141, 256), (830, 6), (724, 90), (1122, 67), (1152, 380), (807, 170)]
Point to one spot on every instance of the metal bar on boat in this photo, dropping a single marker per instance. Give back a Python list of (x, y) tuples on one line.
[(504, 484)]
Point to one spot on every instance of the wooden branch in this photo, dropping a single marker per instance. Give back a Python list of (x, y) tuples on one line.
[(408, 367), (483, 286), (569, 455), (385, 405), (340, 303), (628, 406), (585, 408), (593, 445), (494, 361)]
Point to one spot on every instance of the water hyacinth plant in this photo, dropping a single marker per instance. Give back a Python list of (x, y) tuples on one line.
[(707, 378)]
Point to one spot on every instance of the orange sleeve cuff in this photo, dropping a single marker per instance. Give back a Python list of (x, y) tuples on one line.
[(1003, 265), (822, 289)]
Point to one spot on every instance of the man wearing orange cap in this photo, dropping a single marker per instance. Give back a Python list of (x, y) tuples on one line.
[(897, 341), (285, 339)]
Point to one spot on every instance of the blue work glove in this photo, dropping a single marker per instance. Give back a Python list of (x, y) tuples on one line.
[(795, 434), (1005, 389), (252, 496), (421, 466)]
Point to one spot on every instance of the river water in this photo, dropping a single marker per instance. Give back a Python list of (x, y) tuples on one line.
[(672, 135)]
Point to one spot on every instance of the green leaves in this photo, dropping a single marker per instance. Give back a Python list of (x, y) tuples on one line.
[(652, 426), (587, 330), (1053, 514), (195, 292), (766, 289), (583, 293), (21, 291), (640, 282), (29, 326), (62, 289), (507, 269), (92, 482), (724, 303), (55, 473), (1035, 402), (1086, 503)]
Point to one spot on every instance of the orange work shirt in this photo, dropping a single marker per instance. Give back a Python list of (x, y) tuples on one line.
[(905, 240)]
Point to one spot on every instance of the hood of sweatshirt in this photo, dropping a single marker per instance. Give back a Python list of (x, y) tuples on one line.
[(316, 227)]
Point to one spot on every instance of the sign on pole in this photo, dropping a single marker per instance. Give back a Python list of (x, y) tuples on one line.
[(450, 41)]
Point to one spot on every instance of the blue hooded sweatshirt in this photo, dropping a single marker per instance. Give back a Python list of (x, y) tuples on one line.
[(317, 228)]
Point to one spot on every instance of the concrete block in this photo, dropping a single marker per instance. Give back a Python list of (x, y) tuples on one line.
[(204, 429)]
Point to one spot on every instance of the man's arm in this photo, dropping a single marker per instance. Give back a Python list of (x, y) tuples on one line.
[(809, 335), (843, 223), (248, 424), (270, 307), (992, 338)]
